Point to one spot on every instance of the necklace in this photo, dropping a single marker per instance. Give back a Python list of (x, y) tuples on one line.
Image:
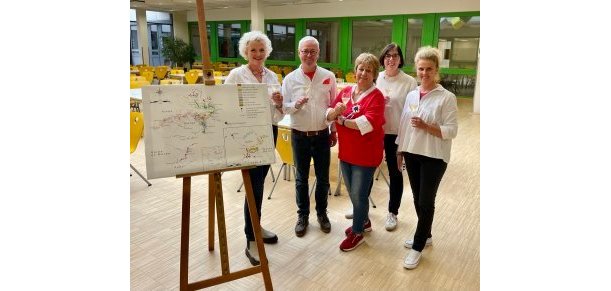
[(257, 73)]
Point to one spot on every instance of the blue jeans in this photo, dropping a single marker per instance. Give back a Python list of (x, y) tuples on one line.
[(306, 148), (358, 181)]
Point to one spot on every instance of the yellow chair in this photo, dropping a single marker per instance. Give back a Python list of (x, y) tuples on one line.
[(137, 78), (136, 128), (350, 78), (218, 73), (192, 76), (161, 72), (146, 69), (177, 71), (169, 82), (138, 84), (286, 70), (148, 76), (275, 69), (279, 78)]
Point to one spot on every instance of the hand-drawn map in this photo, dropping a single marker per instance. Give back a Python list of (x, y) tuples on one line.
[(197, 128)]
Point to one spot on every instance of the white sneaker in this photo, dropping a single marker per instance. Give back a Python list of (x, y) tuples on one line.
[(252, 253), (391, 221), (408, 243), (412, 259), (349, 215)]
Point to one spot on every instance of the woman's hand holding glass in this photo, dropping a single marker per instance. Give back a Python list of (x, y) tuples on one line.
[(275, 94), (387, 92)]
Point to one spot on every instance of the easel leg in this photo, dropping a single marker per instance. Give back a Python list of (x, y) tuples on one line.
[(211, 203), (254, 218), (220, 214), (184, 233)]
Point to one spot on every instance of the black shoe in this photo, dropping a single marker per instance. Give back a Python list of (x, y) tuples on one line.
[(325, 224), (302, 225), (252, 253), (268, 236)]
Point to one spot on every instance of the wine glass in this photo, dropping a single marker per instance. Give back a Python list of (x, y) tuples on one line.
[(273, 88), (387, 92), (345, 99), (413, 107)]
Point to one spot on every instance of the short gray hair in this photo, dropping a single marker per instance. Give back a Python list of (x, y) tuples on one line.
[(254, 36), (308, 38)]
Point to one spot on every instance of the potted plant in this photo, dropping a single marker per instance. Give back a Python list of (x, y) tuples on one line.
[(178, 51)]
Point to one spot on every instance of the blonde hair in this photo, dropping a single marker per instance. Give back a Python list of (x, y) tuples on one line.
[(368, 59), (254, 36), (430, 54)]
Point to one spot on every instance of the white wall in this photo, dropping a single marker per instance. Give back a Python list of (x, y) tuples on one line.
[(181, 30), (341, 9), (476, 94)]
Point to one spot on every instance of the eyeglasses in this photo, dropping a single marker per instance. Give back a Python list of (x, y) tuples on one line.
[(389, 56), (307, 52)]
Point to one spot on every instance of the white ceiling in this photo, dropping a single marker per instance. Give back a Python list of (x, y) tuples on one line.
[(186, 5)]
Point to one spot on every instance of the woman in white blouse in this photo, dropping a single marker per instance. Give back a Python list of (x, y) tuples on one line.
[(255, 47), (428, 125), (394, 84)]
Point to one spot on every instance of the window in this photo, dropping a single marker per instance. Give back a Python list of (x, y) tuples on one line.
[(370, 36), (228, 38), (462, 85), (327, 34), (282, 36), (414, 40), (459, 41), (194, 28)]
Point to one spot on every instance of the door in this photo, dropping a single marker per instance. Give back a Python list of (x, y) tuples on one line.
[(156, 35)]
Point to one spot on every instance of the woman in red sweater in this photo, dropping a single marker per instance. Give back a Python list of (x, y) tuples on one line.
[(359, 113)]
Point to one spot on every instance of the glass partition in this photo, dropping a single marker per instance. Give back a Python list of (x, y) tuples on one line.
[(228, 38), (459, 41), (282, 36), (194, 29), (327, 34), (370, 36), (414, 40)]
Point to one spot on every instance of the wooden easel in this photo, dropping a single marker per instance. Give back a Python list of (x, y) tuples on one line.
[(215, 198)]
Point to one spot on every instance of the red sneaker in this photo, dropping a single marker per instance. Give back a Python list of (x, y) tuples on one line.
[(366, 228), (351, 242)]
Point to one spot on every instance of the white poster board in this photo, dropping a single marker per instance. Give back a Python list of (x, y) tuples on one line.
[(197, 128)]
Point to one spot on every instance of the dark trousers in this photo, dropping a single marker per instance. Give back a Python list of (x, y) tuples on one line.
[(257, 179), (424, 175), (395, 176), (306, 148)]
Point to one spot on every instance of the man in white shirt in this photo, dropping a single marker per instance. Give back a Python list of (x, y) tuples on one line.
[(308, 91)]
